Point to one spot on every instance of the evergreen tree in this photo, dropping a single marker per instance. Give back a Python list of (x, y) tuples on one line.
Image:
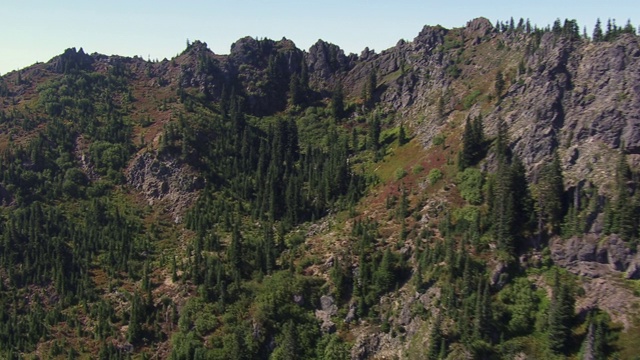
[(136, 319), (384, 276), (368, 94), (611, 32), (472, 143), (571, 29), (374, 132), (435, 339), (561, 311), (339, 279), (597, 341), (235, 253), (597, 32), (523, 207), (337, 102), (499, 84), (466, 156), (628, 28), (402, 135), (502, 196), (483, 315), (622, 213), (549, 189), (557, 28), (288, 348), (296, 93)]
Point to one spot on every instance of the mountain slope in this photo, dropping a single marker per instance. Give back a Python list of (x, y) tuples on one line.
[(468, 194)]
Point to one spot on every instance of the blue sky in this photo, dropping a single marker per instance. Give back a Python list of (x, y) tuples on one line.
[(36, 30)]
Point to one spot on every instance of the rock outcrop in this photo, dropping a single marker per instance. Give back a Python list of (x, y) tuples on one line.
[(601, 263), (573, 96), (593, 257), (164, 179), (71, 60), (325, 60), (328, 308)]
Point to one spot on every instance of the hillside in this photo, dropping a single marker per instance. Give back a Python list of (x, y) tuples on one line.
[(472, 193)]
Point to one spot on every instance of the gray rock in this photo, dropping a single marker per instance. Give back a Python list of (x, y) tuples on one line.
[(633, 271), (587, 251), (478, 28), (328, 308), (430, 297), (365, 347), (327, 325), (601, 255), (325, 60), (581, 256), (165, 179), (351, 314), (618, 254), (499, 275), (327, 304), (589, 269), (405, 316), (566, 252)]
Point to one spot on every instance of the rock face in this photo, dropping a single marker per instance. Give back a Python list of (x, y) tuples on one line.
[(406, 324), (326, 60), (499, 275), (164, 179), (71, 60), (579, 98), (592, 257), (328, 308), (573, 96), (600, 262)]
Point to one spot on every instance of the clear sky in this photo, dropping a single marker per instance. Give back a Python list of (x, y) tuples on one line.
[(37, 30)]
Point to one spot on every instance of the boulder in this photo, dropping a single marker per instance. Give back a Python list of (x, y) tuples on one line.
[(328, 308)]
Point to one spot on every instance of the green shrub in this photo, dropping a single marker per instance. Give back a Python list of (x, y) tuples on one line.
[(470, 185), (470, 99), (434, 176), (439, 139), (108, 156), (400, 173)]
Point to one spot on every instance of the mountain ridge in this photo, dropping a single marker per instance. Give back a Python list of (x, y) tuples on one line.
[(357, 188), (327, 64)]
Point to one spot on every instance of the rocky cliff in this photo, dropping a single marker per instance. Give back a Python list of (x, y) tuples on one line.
[(575, 96), (578, 97)]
